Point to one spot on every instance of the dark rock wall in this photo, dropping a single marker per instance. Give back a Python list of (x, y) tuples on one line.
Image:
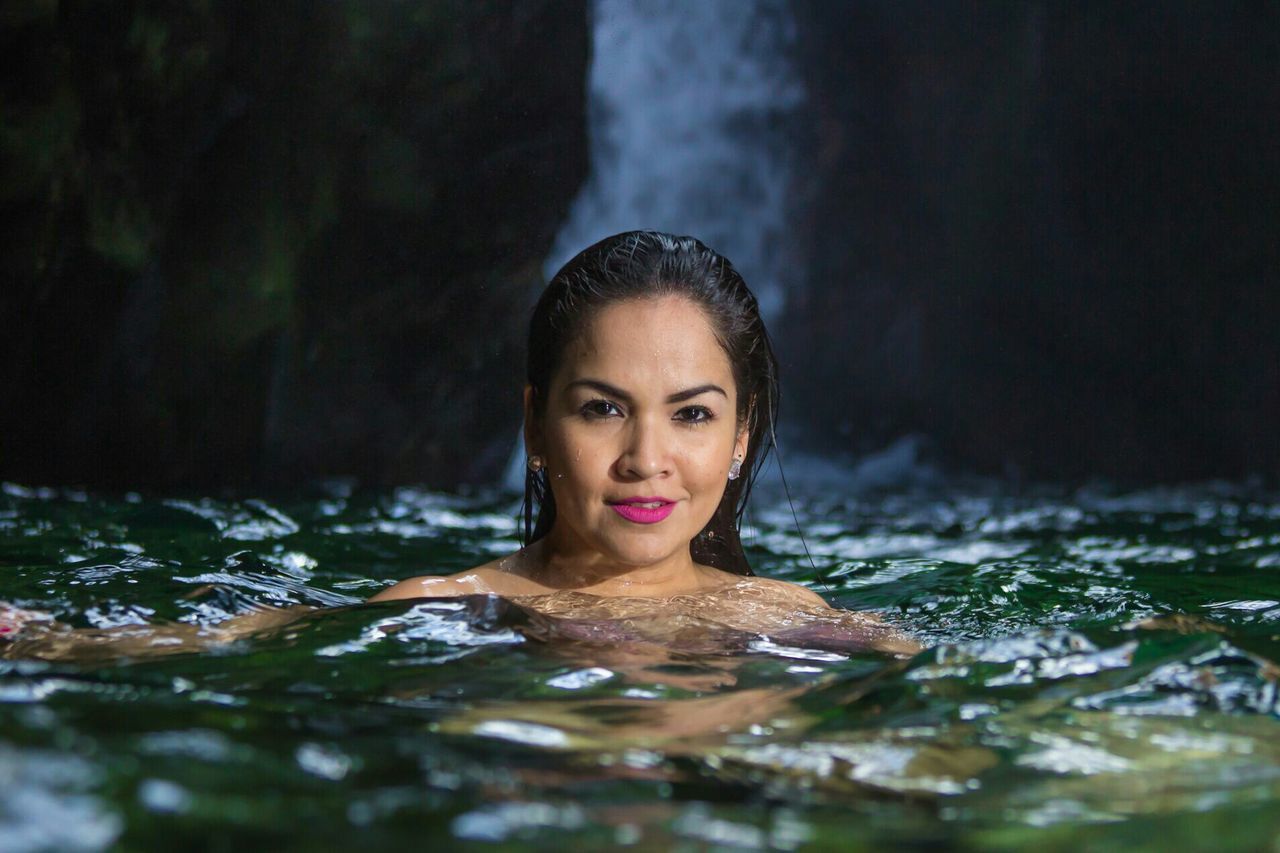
[(1045, 234), (255, 242), (250, 241)]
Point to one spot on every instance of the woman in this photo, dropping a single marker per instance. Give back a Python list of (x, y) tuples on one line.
[(651, 387), (649, 409)]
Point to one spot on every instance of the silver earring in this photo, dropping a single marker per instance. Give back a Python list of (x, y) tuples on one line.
[(735, 469), (534, 463)]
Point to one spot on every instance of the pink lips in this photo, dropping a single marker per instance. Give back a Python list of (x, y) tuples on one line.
[(644, 510)]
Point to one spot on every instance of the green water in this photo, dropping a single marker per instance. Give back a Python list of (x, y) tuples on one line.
[(1040, 716)]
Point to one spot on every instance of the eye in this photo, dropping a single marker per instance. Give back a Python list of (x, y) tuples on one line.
[(598, 409), (694, 415)]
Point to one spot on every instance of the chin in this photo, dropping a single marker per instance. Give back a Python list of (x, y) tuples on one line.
[(638, 555)]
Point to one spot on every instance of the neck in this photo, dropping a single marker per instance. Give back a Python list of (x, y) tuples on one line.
[(557, 564)]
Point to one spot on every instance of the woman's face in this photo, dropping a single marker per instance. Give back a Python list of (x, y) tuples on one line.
[(638, 434)]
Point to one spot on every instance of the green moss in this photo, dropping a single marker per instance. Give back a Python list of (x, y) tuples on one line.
[(122, 230), (164, 60), (149, 38), (244, 309)]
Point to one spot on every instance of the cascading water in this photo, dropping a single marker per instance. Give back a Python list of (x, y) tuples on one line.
[(690, 107)]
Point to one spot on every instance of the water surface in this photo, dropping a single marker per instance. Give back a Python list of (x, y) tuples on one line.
[(1098, 673)]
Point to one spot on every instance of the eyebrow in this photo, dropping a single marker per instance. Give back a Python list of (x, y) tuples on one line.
[(678, 397)]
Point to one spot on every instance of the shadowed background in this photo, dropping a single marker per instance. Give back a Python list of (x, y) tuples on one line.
[(253, 243)]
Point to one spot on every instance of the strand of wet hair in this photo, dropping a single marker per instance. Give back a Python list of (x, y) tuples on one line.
[(795, 518)]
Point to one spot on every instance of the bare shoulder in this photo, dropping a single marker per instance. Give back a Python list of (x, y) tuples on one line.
[(792, 593), (869, 628), (489, 579)]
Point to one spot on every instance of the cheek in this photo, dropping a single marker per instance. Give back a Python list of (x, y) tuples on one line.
[(575, 458), (707, 467)]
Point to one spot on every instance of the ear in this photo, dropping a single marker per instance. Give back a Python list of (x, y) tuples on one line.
[(532, 429), (741, 442)]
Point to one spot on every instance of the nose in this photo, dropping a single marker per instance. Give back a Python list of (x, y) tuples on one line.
[(645, 453)]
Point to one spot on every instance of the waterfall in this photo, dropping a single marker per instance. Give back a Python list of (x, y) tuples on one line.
[(689, 111), (690, 107)]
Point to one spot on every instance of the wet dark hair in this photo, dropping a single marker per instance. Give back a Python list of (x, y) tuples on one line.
[(645, 265)]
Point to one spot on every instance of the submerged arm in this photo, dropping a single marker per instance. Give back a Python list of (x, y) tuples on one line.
[(37, 635), (833, 627)]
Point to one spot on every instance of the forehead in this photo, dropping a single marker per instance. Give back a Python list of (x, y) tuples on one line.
[(669, 338)]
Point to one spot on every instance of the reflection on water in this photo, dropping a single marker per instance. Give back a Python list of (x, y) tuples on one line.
[(1099, 671)]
